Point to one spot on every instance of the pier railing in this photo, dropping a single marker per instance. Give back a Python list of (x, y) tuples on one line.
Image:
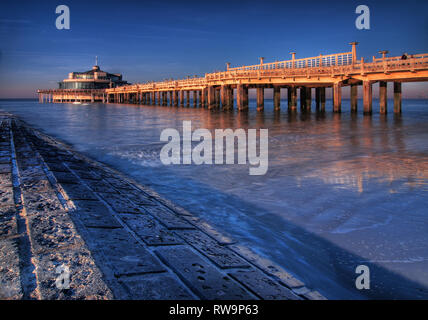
[(339, 59), (332, 65)]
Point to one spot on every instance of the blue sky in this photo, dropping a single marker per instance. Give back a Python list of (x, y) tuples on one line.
[(154, 40)]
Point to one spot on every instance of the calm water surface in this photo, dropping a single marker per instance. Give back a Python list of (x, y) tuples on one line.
[(340, 191)]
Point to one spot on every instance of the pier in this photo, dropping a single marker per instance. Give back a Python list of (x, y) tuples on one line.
[(307, 78)]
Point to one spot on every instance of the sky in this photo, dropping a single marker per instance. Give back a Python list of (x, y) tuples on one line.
[(155, 40)]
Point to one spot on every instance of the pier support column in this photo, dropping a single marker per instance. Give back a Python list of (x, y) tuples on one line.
[(354, 98), (383, 103), (397, 97), (204, 97), (171, 98), (322, 98), (242, 97), (211, 97), (187, 98), (337, 98), (195, 98), (276, 98), (317, 98), (181, 98), (230, 99), (175, 98), (367, 97), (302, 99), (223, 97), (308, 98), (159, 98), (260, 98), (199, 92), (290, 99), (154, 98), (217, 98), (163, 98)]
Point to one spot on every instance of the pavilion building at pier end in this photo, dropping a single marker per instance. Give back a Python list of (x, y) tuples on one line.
[(87, 86)]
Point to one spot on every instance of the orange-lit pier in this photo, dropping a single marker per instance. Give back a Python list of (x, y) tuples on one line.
[(216, 90)]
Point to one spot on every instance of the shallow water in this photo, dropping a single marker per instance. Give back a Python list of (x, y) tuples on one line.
[(341, 190)]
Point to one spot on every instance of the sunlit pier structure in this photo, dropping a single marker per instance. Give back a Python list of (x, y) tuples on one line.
[(216, 90)]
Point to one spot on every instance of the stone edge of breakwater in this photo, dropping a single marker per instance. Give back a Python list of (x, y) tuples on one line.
[(119, 239)]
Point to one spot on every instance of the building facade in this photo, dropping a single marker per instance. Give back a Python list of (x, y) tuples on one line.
[(92, 79), (88, 86)]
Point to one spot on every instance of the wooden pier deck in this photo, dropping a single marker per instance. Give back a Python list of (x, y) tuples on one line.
[(216, 90)]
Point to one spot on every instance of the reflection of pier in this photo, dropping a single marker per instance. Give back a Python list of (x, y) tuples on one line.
[(216, 90), (352, 173)]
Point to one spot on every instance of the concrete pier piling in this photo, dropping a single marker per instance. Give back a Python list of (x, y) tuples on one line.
[(204, 98), (153, 98), (302, 99), (367, 97), (171, 98), (242, 97), (181, 98), (277, 98), (292, 99), (175, 98), (354, 98), (383, 99), (211, 98), (230, 97), (308, 99), (217, 97), (199, 94), (337, 97), (195, 99), (260, 98), (397, 97), (223, 97)]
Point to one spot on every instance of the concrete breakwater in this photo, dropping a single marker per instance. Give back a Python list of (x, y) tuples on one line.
[(118, 239)]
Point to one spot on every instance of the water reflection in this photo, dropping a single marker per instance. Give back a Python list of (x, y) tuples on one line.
[(341, 189)]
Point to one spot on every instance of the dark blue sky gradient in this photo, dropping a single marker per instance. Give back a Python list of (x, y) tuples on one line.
[(154, 40)]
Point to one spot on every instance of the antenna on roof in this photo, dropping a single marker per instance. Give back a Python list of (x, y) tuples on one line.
[(96, 60)]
